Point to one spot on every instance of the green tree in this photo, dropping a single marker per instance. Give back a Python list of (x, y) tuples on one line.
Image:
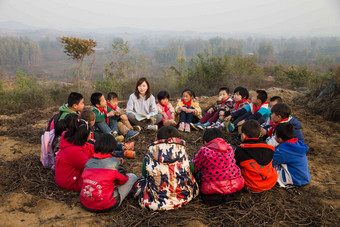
[(78, 49)]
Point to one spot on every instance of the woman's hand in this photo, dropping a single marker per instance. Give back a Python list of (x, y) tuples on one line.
[(124, 117)]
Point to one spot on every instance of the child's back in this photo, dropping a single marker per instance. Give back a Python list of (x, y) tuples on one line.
[(255, 159), (290, 158), (168, 182), (218, 169)]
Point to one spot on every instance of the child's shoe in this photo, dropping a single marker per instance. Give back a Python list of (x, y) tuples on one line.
[(119, 139), (129, 154), (194, 126), (187, 127), (137, 128), (203, 126), (129, 146), (181, 126), (230, 127), (173, 123), (151, 127), (131, 134)]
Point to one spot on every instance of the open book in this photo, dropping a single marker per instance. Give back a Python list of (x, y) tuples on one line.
[(140, 117)]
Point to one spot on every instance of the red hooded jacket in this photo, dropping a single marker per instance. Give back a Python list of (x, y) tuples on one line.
[(219, 172), (70, 163)]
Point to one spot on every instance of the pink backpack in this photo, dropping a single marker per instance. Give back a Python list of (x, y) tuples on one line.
[(47, 156)]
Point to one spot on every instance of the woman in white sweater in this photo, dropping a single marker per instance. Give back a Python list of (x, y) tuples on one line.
[(141, 108)]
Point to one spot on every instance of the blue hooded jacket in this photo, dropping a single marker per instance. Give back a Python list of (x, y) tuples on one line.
[(292, 153), (297, 126)]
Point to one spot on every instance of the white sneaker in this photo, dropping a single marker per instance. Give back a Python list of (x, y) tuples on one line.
[(151, 127)]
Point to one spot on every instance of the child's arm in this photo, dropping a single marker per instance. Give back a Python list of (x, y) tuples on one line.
[(122, 177), (279, 157), (199, 160), (99, 117), (130, 105), (198, 110)]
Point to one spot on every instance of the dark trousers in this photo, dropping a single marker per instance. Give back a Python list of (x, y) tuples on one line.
[(186, 117), (210, 117)]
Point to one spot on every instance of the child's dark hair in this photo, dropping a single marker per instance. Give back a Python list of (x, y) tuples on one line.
[(167, 132), (277, 99), (211, 134), (285, 131), (139, 82), (77, 132), (88, 115), (105, 144), (224, 89), (162, 95), (242, 91), (281, 109), (95, 98), (262, 95), (251, 128), (59, 127), (74, 98), (111, 95), (190, 92)]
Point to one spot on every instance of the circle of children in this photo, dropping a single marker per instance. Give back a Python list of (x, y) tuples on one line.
[(84, 147)]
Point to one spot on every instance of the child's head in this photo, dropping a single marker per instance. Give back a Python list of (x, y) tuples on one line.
[(274, 100), (78, 132), (223, 93), (89, 116), (112, 99), (105, 144), (250, 129), (143, 88), (259, 98), (188, 95), (284, 132), (163, 97), (75, 101), (240, 93), (279, 112), (167, 132), (211, 134), (98, 100)]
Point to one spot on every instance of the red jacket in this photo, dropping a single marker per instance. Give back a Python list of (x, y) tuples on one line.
[(101, 176), (255, 159), (219, 172), (70, 162)]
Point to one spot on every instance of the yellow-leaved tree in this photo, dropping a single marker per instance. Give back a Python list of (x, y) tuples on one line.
[(77, 49)]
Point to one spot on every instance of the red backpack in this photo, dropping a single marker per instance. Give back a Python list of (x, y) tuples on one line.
[(47, 156)]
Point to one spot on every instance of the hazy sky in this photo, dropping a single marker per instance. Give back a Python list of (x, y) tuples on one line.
[(277, 17)]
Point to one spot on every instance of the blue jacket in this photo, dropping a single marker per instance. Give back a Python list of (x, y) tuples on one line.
[(297, 126), (291, 162), (263, 111)]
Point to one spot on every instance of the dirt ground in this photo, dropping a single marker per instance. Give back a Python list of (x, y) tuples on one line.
[(29, 196)]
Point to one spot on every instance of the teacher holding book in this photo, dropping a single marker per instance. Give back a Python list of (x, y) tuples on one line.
[(141, 108)]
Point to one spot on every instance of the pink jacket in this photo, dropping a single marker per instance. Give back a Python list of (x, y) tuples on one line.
[(219, 172)]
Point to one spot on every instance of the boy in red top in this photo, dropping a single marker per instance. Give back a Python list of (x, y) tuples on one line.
[(105, 183), (255, 159)]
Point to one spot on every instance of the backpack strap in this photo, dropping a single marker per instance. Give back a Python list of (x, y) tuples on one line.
[(55, 118)]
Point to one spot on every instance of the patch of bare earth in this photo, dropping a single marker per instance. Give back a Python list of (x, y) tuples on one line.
[(29, 196)]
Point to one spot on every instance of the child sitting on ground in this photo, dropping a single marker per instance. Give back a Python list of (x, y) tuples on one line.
[(75, 105), (219, 175), (60, 127), (255, 159), (74, 152), (123, 150), (266, 125), (257, 110), (105, 182), (102, 116), (223, 103), (280, 113), (119, 122), (187, 108), (166, 109), (290, 160), (167, 181)]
